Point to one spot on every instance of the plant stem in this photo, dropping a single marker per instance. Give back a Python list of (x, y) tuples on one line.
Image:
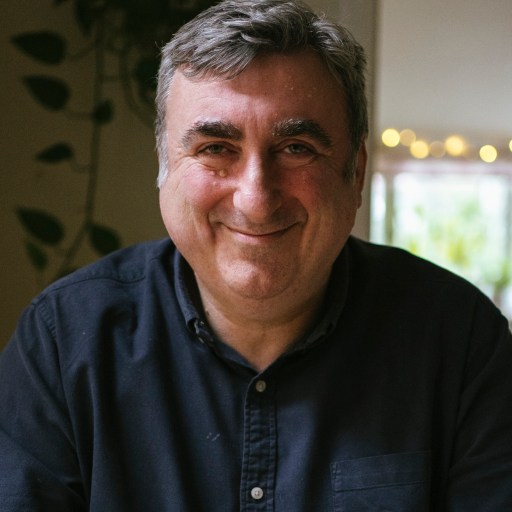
[(94, 155)]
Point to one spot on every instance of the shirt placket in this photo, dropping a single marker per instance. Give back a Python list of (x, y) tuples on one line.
[(259, 449)]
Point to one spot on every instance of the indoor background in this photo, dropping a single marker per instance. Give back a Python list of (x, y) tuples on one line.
[(78, 166)]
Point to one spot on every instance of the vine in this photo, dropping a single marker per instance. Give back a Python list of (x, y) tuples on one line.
[(130, 31)]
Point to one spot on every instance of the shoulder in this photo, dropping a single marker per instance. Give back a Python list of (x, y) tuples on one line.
[(395, 295), (104, 301), (115, 286), (393, 265), (396, 280), (124, 267)]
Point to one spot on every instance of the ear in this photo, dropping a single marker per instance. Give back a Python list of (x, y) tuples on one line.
[(360, 171)]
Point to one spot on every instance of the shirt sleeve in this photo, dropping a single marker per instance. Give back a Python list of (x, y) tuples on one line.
[(481, 469), (39, 469)]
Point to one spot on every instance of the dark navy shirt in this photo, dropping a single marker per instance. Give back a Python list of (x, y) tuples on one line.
[(115, 396)]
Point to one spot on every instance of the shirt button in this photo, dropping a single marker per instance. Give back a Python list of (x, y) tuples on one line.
[(257, 493), (261, 385)]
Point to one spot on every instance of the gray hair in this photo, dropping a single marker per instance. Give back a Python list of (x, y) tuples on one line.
[(222, 41)]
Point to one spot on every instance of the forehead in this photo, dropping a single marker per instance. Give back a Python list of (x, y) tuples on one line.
[(297, 85)]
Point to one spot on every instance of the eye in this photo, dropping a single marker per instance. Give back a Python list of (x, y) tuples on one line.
[(213, 149), (298, 149)]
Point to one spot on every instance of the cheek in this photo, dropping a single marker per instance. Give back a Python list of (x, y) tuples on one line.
[(203, 191), (319, 189), (188, 196), (331, 204)]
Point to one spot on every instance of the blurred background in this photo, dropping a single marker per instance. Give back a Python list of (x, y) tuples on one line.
[(78, 166), (442, 166)]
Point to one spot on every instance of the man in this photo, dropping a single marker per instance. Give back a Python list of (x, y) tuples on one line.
[(263, 359)]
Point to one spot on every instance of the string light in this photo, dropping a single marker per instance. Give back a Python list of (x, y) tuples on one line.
[(436, 149), (407, 137), (454, 146), (390, 137), (419, 149), (488, 153)]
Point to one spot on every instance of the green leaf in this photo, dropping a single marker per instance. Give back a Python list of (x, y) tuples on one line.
[(104, 112), (37, 256), (56, 153), (45, 46), (45, 227), (87, 12), (51, 92), (103, 239)]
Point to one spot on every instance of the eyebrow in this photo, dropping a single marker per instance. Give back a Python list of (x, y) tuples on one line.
[(286, 128), (295, 127), (219, 129)]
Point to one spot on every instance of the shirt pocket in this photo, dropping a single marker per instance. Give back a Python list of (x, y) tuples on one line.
[(398, 482)]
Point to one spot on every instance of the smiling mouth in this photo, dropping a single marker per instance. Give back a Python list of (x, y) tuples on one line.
[(256, 236)]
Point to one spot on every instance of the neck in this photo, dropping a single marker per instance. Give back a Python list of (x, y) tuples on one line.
[(260, 330)]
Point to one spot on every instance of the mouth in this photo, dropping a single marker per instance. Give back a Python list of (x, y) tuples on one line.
[(255, 236)]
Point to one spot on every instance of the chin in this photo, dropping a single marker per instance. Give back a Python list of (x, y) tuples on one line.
[(256, 283)]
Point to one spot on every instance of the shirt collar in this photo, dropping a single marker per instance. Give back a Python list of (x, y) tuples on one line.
[(334, 303), (186, 291)]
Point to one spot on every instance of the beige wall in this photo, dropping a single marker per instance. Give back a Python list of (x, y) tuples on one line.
[(126, 196)]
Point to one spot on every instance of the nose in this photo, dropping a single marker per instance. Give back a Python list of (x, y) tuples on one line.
[(257, 194)]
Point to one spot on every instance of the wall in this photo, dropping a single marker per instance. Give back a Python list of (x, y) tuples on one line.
[(126, 197), (456, 54), (360, 16)]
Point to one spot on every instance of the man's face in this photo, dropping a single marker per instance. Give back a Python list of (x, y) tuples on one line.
[(255, 198)]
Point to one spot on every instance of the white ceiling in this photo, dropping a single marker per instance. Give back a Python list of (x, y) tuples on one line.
[(445, 66)]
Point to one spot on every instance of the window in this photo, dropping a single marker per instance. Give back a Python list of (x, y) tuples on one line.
[(452, 211)]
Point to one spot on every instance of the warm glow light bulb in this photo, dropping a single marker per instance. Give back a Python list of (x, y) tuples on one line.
[(437, 149), (454, 145), (488, 153), (407, 137), (390, 137), (419, 149), (510, 145)]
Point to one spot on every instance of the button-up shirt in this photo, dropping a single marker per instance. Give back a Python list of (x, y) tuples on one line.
[(116, 396)]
